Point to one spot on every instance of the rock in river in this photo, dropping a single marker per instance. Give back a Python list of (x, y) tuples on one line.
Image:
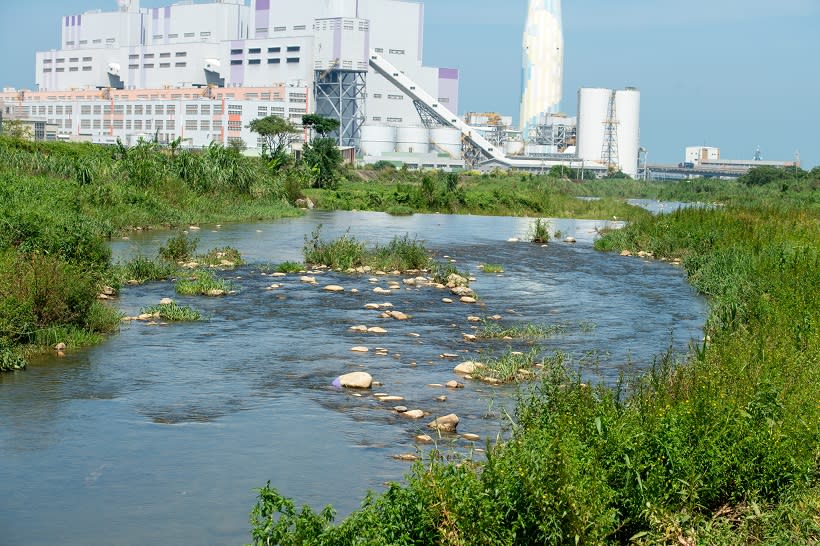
[(355, 380), (334, 288), (413, 414), (448, 423), (468, 367)]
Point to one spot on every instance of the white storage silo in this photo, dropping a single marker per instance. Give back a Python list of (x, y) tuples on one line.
[(513, 147), (378, 140), (413, 140), (446, 140), (593, 107), (628, 106)]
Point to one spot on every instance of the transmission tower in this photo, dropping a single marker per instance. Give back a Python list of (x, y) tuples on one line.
[(609, 152)]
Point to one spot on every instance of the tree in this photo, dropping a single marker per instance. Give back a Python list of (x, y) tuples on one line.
[(320, 124), (15, 128), (278, 133), (323, 156)]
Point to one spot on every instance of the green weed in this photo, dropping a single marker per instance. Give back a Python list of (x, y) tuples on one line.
[(492, 268), (289, 267), (203, 283), (172, 312), (540, 231), (178, 249)]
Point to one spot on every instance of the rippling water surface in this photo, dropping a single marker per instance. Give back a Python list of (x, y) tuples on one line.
[(160, 435)]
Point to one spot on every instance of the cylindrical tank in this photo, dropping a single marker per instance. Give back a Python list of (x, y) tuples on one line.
[(593, 107), (628, 105), (513, 147), (378, 140), (446, 140), (413, 140)]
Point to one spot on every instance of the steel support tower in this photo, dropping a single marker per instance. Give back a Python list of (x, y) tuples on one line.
[(340, 94), (609, 152)]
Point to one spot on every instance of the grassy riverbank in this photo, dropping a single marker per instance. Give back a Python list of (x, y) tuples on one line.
[(722, 448), (59, 203), (399, 192)]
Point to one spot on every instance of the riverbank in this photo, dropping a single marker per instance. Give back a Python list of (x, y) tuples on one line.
[(60, 203), (719, 448)]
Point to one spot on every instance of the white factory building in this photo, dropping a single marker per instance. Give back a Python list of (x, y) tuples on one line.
[(266, 55)]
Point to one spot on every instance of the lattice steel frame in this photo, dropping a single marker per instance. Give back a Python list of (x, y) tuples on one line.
[(429, 117), (609, 151), (340, 94)]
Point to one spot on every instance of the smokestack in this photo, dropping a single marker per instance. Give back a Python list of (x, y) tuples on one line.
[(543, 70)]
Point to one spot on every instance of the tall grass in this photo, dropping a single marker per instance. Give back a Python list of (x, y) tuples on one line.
[(346, 252)]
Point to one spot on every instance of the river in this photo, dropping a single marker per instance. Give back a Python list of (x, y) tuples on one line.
[(161, 434)]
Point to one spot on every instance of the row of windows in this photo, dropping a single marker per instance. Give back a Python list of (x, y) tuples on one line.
[(70, 69), (97, 41), (391, 51), (237, 62), (258, 50), (164, 55), (61, 60), (262, 30), (135, 66), (186, 35)]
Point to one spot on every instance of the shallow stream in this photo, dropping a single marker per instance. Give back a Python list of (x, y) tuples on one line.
[(161, 434)]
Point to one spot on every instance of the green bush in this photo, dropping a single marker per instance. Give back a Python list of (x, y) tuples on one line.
[(179, 249), (173, 312), (203, 283)]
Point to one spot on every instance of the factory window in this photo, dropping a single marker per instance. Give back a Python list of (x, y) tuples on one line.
[(204, 34), (148, 56), (395, 97), (235, 109), (171, 125), (157, 36), (159, 110), (83, 42), (299, 110), (262, 111), (138, 124), (85, 109), (377, 118), (218, 109), (299, 27), (164, 55), (395, 120), (47, 70), (274, 61), (277, 110), (234, 125), (262, 30), (110, 41), (274, 49), (133, 56), (87, 59), (69, 43), (235, 62), (377, 95), (61, 70), (294, 48), (60, 61), (379, 50), (133, 66), (190, 124), (68, 110), (128, 124), (181, 54), (397, 52), (204, 125), (46, 61), (173, 36), (255, 50), (290, 60), (172, 109), (205, 110), (97, 41), (190, 34), (159, 125), (236, 52), (148, 65), (181, 65), (255, 61), (165, 65), (74, 60), (147, 109), (190, 109), (58, 110), (73, 69), (117, 124), (96, 124), (280, 29), (85, 124)]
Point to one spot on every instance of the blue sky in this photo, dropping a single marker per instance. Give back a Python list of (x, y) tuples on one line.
[(729, 73)]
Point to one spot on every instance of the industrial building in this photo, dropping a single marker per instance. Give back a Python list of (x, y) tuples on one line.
[(201, 72)]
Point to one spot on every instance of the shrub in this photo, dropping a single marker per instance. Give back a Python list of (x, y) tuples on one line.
[(492, 268), (178, 249), (225, 256), (540, 231), (11, 359), (142, 269), (289, 267), (342, 253)]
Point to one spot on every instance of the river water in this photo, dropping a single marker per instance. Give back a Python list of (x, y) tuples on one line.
[(161, 434)]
